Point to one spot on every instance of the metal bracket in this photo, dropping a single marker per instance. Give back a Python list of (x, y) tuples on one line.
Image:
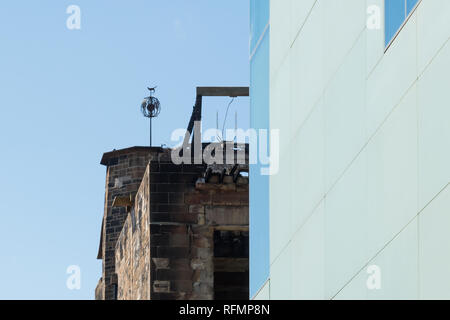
[(231, 92)]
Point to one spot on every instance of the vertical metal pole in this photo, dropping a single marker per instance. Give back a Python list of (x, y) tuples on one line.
[(235, 126), (150, 131)]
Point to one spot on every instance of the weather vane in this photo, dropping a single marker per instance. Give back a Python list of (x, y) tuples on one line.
[(150, 108)]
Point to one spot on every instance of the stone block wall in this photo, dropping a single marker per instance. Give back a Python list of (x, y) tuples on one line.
[(171, 227), (222, 209), (132, 252), (165, 245), (100, 290), (185, 211), (124, 171)]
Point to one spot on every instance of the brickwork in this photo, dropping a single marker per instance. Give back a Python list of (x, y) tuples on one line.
[(132, 252), (171, 230), (100, 290), (124, 172), (185, 213), (164, 246)]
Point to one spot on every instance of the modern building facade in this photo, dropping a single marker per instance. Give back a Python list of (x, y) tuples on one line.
[(360, 208), (259, 119)]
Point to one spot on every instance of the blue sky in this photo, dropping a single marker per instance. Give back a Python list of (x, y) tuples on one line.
[(67, 96)]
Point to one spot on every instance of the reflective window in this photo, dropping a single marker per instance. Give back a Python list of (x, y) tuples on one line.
[(259, 119), (396, 12), (410, 4), (259, 18)]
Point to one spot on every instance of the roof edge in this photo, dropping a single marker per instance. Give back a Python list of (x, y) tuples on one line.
[(115, 153)]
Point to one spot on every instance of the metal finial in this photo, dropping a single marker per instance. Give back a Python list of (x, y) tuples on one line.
[(151, 108)]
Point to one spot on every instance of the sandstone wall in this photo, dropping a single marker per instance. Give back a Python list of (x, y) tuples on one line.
[(185, 237), (132, 254)]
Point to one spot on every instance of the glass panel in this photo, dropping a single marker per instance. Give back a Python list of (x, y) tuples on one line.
[(259, 17), (410, 4), (395, 14), (259, 190)]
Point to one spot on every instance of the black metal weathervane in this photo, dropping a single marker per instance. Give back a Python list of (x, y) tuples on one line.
[(151, 108)]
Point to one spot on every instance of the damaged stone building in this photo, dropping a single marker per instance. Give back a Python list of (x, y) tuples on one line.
[(174, 231)]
